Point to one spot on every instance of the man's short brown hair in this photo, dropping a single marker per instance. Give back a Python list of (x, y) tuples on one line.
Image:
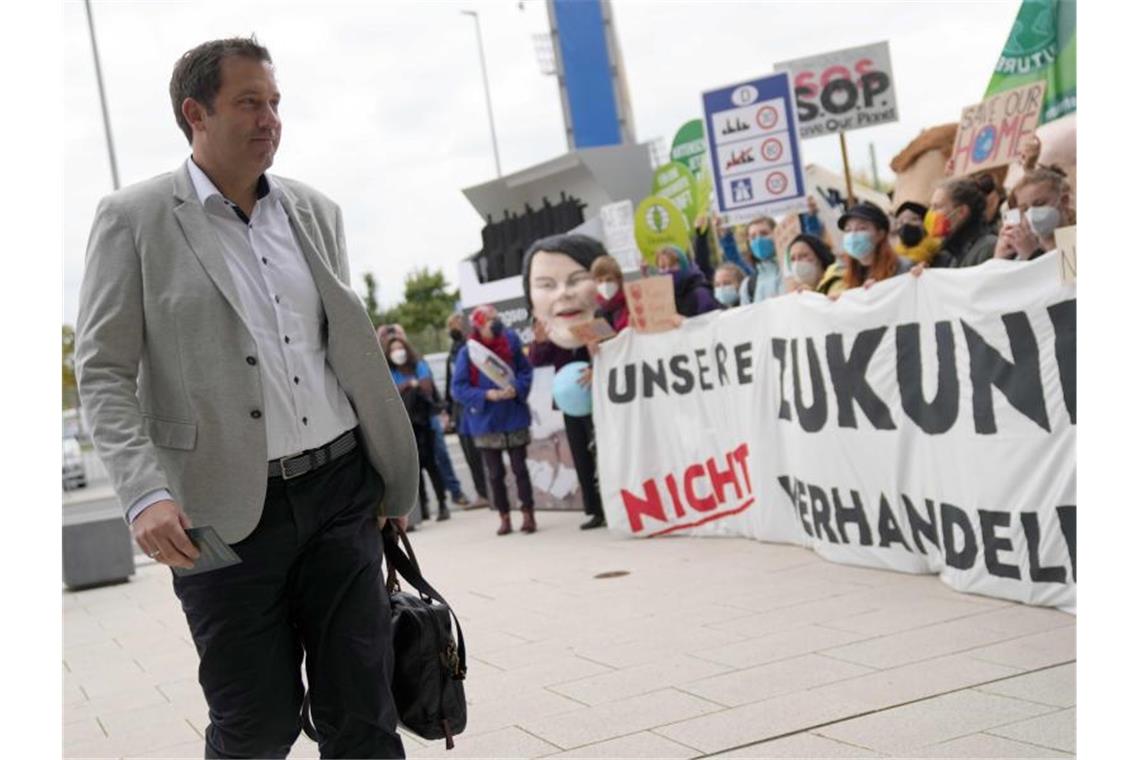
[(198, 74)]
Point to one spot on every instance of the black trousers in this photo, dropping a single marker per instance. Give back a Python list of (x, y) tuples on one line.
[(310, 585), (493, 459), (580, 435), (471, 454), (425, 447)]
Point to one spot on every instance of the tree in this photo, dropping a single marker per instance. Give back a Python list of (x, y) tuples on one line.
[(427, 301), (70, 386)]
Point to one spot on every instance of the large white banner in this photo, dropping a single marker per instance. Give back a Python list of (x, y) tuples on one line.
[(926, 425)]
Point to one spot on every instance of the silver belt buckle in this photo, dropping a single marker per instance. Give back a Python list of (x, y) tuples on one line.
[(285, 467)]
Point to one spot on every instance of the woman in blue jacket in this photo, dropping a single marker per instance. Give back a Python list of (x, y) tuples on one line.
[(498, 419)]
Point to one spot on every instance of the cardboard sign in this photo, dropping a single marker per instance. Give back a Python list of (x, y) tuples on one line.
[(486, 361), (754, 149), (990, 133), (651, 304), (594, 331), (1066, 238), (843, 90)]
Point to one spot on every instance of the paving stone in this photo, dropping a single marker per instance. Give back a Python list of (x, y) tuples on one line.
[(740, 687), (801, 746), (780, 646), (182, 751), (919, 644), (1053, 686), (642, 744), (642, 679), (829, 610), (525, 704), (506, 742), (80, 731), (931, 721), (614, 719), (897, 616), (759, 721), (1041, 650), (920, 680), (118, 702), (150, 727), (1056, 730), (985, 746)]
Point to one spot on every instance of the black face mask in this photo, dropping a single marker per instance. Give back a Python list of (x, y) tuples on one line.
[(496, 327), (455, 334), (911, 234)]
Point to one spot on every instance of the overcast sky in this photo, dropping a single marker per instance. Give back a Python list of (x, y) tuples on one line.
[(383, 105)]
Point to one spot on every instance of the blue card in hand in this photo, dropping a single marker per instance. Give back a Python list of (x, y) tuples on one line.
[(214, 553)]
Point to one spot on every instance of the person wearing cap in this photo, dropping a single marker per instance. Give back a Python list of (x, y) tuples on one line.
[(810, 262), (868, 256), (498, 418), (691, 290), (957, 215), (911, 229)]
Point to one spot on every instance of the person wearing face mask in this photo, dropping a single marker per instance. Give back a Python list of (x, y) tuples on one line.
[(867, 253), (957, 215), (995, 195), (691, 290), (809, 261), (767, 280), (727, 281), (611, 295), (457, 331), (498, 418), (914, 239), (1045, 202), (413, 380)]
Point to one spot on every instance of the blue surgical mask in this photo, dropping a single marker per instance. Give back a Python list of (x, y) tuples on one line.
[(762, 247), (727, 295), (859, 245)]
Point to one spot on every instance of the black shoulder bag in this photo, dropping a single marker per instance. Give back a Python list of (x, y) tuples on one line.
[(429, 666)]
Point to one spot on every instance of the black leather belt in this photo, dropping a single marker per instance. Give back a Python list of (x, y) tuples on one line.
[(287, 468)]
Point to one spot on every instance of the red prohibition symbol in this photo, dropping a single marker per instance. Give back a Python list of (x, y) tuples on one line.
[(777, 182), (771, 149), (767, 117)]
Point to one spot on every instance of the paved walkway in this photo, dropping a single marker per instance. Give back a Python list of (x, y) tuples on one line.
[(705, 647)]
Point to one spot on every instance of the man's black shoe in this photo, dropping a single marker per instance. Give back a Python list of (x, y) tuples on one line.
[(595, 521)]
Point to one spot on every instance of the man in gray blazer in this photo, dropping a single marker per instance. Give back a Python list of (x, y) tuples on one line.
[(232, 380)]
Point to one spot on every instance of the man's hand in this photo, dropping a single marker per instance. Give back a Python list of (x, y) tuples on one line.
[(160, 531), (586, 377), (917, 269)]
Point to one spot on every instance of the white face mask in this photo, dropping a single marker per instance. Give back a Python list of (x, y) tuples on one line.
[(1043, 220), (806, 272), (607, 289), (398, 356)]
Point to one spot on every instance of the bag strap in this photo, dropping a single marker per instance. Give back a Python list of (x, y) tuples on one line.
[(409, 568)]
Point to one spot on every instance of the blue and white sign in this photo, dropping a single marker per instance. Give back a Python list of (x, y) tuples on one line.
[(754, 148)]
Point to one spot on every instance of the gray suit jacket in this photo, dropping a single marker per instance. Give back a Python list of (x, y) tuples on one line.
[(161, 353)]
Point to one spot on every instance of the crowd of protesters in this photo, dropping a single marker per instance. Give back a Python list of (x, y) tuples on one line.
[(967, 221)]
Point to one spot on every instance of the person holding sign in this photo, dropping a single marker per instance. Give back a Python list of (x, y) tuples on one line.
[(691, 290), (493, 388), (560, 289), (727, 283), (958, 216), (1044, 203), (610, 282), (868, 256)]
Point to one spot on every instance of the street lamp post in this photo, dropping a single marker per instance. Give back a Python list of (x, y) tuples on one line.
[(102, 99), (486, 90)]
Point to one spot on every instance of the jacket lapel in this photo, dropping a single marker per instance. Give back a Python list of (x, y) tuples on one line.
[(301, 219), (202, 239)]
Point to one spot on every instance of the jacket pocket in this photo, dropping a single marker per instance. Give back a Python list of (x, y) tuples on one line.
[(171, 434)]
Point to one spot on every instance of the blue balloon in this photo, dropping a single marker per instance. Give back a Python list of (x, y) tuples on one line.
[(571, 397)]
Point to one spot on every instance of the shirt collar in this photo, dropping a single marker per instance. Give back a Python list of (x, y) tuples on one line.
[(206, 189)]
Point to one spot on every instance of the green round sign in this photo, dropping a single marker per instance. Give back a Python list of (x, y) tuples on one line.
[(657, 222), (677, 183), (689, 146)]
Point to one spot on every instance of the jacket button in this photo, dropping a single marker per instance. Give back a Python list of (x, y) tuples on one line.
[(256, 414), (250, 361)]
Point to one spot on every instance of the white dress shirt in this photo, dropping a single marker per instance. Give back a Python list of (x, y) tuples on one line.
[(304, 406)]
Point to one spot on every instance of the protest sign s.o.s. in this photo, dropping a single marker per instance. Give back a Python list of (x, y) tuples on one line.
[(843, 90), (990, 133)]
